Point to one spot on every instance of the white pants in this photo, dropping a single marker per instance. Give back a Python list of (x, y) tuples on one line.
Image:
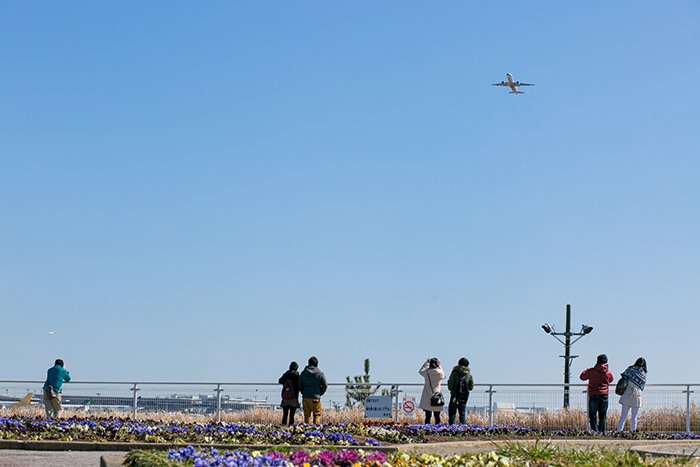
[(623, 417)]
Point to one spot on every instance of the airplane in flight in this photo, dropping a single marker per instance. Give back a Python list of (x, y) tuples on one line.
[(512, 84)]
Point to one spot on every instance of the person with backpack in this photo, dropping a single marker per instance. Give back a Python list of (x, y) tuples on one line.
[(290, 393), (459, 384), (312, 384)]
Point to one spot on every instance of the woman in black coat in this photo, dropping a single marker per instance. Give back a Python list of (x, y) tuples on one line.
[(290, 393)]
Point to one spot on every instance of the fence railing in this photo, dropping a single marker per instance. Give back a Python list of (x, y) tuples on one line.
[(670, 408)]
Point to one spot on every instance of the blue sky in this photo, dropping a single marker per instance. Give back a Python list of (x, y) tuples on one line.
[(206, 191)]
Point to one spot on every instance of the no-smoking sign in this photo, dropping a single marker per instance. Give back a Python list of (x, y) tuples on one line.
[(409, 406)]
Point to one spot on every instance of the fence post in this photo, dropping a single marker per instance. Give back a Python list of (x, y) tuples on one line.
[(490, 391), (687, 408), (587, 406), (396, 417), (218, 403), (136, 400)]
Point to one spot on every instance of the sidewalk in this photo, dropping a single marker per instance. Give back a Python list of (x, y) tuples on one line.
[(85, 454)]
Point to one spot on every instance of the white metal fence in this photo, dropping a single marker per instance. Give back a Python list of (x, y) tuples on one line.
[(669, 408)]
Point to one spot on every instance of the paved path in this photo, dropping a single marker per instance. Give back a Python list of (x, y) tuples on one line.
[(23, 458), (90, 458)]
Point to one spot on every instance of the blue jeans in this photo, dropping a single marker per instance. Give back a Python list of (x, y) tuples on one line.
[(455, 406), (597, 411)]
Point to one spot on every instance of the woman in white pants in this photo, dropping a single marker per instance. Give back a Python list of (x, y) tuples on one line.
[(632, 397)]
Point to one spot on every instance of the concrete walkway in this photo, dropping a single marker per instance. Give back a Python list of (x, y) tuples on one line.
[(83, 454), (22, 458)]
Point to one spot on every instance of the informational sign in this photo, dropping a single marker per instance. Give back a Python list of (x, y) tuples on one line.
[(378, 407), (408, 406)]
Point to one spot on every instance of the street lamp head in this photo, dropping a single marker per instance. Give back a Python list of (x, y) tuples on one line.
[(547, 328), (586, 329)]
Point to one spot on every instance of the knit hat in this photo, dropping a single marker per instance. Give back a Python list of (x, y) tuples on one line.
[(602, 358)]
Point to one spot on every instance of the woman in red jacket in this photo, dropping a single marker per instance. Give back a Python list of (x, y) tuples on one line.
[(599, 378)]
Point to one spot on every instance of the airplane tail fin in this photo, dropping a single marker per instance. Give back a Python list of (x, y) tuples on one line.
[(26, 400)]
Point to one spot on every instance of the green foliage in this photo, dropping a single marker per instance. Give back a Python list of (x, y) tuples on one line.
[(149, 458), (355, 394), (539, 455)]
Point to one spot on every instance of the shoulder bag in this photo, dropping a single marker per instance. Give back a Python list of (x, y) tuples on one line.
[(621, 385), (437, 399)]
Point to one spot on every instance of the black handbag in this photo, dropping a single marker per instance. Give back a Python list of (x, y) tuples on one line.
[(437, 399), (621, 385)]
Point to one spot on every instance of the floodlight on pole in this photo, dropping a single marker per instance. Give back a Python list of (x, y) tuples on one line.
[(549, 329)]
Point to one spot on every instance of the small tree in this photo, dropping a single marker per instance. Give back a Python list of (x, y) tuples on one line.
[(355, 393)]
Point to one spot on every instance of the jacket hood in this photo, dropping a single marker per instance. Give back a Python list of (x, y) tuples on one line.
[(462, 370), (601, 367), (312, 369)]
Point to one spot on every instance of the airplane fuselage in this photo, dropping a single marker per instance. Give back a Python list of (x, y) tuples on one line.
[(511, 83)]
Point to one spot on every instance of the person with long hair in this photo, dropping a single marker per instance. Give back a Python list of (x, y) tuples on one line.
[(290, 393), (433, 374), (631, 399)]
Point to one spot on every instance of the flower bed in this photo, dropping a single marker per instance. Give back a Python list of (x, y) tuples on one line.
[(190, 456), (444, 430), (324, 458), (126, 430), (371, 434), (514, 455)]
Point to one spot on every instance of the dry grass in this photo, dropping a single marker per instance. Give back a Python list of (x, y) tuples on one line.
[(650, 420)]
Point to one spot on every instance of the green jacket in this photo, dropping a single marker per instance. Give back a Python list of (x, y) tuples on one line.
[(56, 376), (458, 373)]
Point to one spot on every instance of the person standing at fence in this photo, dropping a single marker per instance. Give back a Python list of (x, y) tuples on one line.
[(632, 397), (431, 400), (290, 393), (312, 384), (599, 379), (459, 384), (53, 387)]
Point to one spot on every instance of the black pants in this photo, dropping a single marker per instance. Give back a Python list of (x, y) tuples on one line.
[(597, 409), (427, 416), (288, 411)]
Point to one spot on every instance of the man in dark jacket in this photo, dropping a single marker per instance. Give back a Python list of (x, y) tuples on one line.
[(55, 377), (459, 384), (312, 384), (599, 379)]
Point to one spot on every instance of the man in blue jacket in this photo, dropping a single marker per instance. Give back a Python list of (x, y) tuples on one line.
[(55, 377)]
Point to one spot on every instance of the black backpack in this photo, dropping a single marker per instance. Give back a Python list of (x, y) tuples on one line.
[(462, 389)]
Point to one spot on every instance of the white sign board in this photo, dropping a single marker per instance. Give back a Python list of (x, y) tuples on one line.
[(378, 407), (408, 406)]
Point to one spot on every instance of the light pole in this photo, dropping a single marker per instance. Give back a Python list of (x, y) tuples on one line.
[(549, 329)]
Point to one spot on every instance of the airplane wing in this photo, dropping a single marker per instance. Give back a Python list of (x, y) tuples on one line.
[(502, 83), (517, 83)]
